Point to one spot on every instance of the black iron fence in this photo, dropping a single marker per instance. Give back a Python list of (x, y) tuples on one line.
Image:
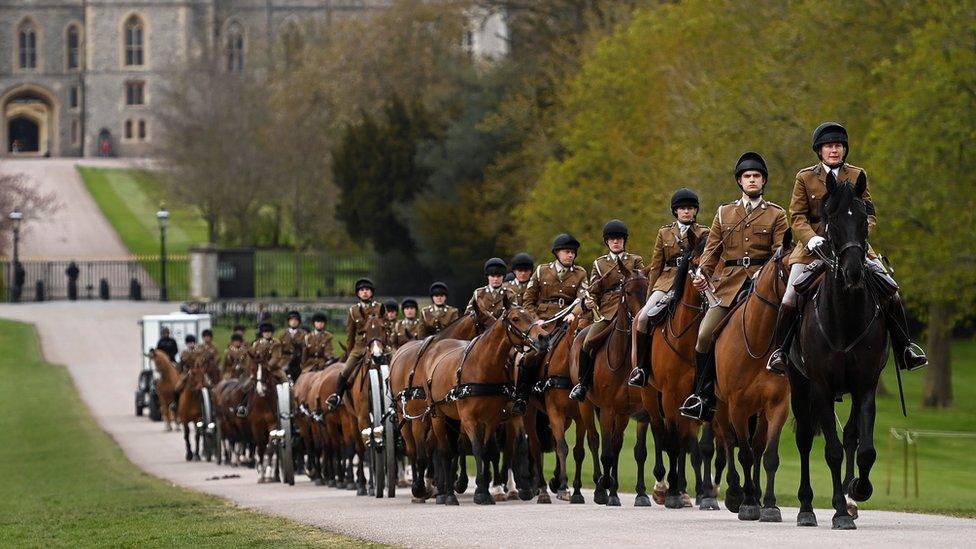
[(136, 277)]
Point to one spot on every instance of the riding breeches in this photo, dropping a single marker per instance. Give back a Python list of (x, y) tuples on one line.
[(594, 330), (796, 269), (643, 320), (706, 337), (355, 356)]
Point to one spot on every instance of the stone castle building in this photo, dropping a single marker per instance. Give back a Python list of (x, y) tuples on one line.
[(79, 77)]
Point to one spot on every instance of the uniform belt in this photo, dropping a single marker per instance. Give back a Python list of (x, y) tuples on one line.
[(559, 300), (814, 218), (672, 262), (746, 261)]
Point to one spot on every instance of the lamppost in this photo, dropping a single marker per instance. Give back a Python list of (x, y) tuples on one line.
[(15, 218), (163, 217)]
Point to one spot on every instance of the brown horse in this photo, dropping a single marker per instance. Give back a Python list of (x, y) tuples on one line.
[(189, 410), (672, 377), (262, 419), (236, 433), (557, 381), (166, 379), (757, 403), (472, 383), (616, 400), (333, 434), (305, 401), (407, 373)]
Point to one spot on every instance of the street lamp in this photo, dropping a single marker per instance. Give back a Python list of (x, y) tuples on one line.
[(15, 218), (163, 217)]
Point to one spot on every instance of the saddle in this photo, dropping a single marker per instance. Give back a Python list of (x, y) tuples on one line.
[(810, 277), (657, 312), (600, 337)]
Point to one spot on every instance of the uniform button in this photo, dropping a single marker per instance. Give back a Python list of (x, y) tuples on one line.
[(747, 239), (747, 253), (747, 224)]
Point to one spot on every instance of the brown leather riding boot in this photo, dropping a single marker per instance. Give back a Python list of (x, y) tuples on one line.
[(785, 320)]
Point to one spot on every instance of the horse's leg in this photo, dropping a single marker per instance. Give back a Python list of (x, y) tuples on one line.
[(588, 417), (461, 482), (801, 403), (850, 444), (361, 483), (559, 484), (695, 456), (579, 454), (834, 454), (672, 498), (742, 429), (707, 449), (861, 488), (611, 472), (186, 440), (659, 435), (536, 456), (777, 415), (734, 494), (640, 455), (605, 485)]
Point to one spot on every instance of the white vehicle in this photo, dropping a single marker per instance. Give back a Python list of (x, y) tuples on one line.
[(180, 325)]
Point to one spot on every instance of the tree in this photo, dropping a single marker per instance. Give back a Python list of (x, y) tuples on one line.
[(16, 192)]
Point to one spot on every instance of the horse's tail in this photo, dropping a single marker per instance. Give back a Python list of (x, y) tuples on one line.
[(547, 442)]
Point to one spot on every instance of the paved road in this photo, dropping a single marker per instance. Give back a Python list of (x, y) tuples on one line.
[(101, 351)]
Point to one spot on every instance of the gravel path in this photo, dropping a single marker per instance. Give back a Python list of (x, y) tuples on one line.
[(98, 342)]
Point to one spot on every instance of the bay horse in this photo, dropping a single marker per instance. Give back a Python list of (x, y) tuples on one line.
[(756, 403), (407, 374), (166, 379), (306, 387), (262, 419), (841, 347), (236, 433), (616, 400), (189, 410), (471, 383), (672, 379), (332, 431)]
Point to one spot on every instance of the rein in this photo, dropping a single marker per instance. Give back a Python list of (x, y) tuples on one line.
[(754, 291)]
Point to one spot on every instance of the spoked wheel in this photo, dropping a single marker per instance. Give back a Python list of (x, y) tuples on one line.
[(286, 462), (377, 438), (389, 434), (211, 440)]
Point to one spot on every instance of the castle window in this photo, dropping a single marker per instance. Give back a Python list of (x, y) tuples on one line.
[(73, 98), (134, 41), (235, 48), (75, 132), (73, 45), (27, 46), (128, 129), (142, 130), (135, 93)]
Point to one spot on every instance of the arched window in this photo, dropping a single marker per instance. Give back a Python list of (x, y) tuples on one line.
[(292, 45), (73, 46), (235, 47), (135, 32), (27, 45)]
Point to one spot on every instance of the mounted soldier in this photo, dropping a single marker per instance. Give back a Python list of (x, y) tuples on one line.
[(408, 328), (743, 237), (209, 356), (234, 357), (190, 353), (359, 315), (552, 287), (167, 345), (263, 351), (435, 317), (317, 352), (605, 287), (391, 309), (830, 143), (672, 243), (490, 298), (288, 354), (522, 266)]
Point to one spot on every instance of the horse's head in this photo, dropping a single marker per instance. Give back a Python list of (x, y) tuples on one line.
[(524, 329), (634, 289), (846, 215), (258, 371), (195, 376), (376, 336)]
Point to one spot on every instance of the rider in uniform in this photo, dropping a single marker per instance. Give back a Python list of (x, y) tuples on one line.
[(490, 297), (317, 351), (391, 309), (263, 351), (743, 237), (209, 356), (605, 287), (672, 243), (234, 356), (189, 354), (288, 352), (809, 190), (359, 315), (435, 317), (552, 287), (407, 328), (522, 267)]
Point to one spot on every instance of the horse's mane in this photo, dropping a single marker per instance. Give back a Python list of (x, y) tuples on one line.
[(695, 251)]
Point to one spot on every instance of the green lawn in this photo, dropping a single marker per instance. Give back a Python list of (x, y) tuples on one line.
[(945, 464), (67, 484)]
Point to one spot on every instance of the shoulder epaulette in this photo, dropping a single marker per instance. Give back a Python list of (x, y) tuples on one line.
[(775, 205)]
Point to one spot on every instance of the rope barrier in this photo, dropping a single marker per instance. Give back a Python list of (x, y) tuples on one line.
[(911, 437)]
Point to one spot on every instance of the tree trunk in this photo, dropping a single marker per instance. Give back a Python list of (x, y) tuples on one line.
[(938, 374)]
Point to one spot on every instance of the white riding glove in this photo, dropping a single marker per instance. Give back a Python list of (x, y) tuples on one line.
[(815, 241)]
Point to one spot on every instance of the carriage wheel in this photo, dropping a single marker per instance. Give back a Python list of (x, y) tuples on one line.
[(286, 461), (155, 411), (219, 442), (377, 456), (389, 446)]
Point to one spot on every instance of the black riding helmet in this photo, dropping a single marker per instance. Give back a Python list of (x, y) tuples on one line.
[(409, 302), (495, 266), (190, 338), (522, 260), (295, 314), (615, 228), (565, 241), (683, 197), (207, 332), (830, 132), (438, 288), (265, 327), (751, 161), (319, 317), (391, 305), (364, 283)]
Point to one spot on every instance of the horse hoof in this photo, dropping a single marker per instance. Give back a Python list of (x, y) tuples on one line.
[(451, 500), (523, 495), (417, 500), (461, 487), (613, 501), (852, 507), (698, 499), (659, 496), (806, 518), (562, 495), (441, 499), (642, 501), (543, 498), (708, 504), (350, 486), (361, 491), (502, 497), (196, 457), (553, 485), (261, 480), (685, 499), (861, 489), (331, 483), (674, 502), (733, 501), (749, 512), (483, 499), (189, 456), (770, 514), (318, 482), (371, 492), (577, 499), (844, 523), (600, 496)]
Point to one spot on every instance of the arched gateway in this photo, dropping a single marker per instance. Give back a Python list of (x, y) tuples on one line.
[(30, 121)]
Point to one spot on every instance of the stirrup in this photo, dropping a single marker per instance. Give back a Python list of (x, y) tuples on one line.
[(578, 393), (241, 411), (334, 400), (914, 358), (518, 406), (694, 408), (637, 378), (775, 364)]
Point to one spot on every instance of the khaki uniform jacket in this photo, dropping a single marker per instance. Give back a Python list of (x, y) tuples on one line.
[(809, 191), (518, 289), (668, 248), (433, 318), (356, 323), (263, 351), (406, 330), (234, 357), (209, 355), (491, 302), (733, 236), (606, 281), (290, 346), (317, 349), (189, 357), (548, 291)]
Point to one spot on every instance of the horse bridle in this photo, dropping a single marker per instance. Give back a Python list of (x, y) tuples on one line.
[(526, 343)]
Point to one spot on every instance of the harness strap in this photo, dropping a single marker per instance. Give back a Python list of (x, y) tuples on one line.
[(554, 382)]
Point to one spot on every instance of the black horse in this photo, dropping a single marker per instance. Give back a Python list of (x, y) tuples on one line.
[(843, 347)]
